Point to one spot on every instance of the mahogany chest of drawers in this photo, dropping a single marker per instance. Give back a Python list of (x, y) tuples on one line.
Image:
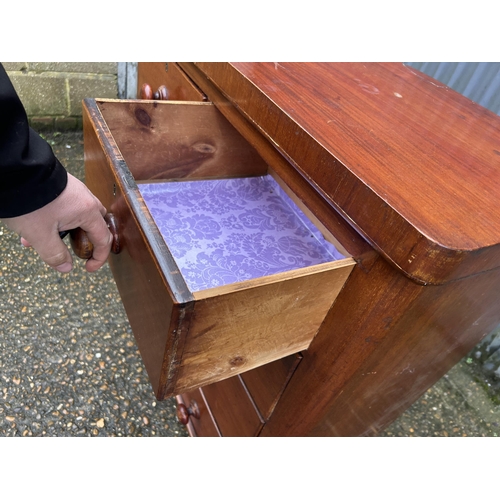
[(395, 175)]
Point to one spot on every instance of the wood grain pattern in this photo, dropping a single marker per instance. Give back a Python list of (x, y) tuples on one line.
[(204, 426), (383, 344), (181, 350), (147, 297), (166, 140), (412, 165), (303, 187), (266, 383), (397, 174), (104, 152), (83, 247), (235, 328), (221, 397), (179, 87)]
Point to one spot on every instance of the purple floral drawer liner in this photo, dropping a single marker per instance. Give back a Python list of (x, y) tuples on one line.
[(230, 230)]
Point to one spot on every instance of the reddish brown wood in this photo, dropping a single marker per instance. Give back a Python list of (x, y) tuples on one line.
[(266, 383), (80, 243), (384, 343), (204, 425), (169, 75), (303, 187), (189, 340), (144, 271), (146, 92), (412, 165), (184, 413), (82, 246), (235, 328), (224, 396), (412, 174), (162, 93)]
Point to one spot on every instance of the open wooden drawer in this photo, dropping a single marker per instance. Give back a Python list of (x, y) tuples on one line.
[(191, 337)]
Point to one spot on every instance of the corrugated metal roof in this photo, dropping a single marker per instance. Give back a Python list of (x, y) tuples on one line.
[(479, 81)]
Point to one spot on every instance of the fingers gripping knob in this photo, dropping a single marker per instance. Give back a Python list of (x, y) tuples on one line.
[(82, 246)]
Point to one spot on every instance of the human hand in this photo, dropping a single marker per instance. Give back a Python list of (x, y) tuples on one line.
[(75, 207)]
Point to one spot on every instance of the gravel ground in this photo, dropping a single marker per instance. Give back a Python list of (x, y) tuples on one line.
[(456, 406), (69, 365)]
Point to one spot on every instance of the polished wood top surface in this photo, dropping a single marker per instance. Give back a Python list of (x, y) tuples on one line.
[(410, 163)]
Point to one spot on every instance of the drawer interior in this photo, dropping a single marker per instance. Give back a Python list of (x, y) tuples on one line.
[(223, 231), (165, 140), (176, 174)]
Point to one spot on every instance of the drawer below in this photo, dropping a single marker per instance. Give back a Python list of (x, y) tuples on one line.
[(267, 382), (179, 86), (200, 421), (240, 405), (233, 408)]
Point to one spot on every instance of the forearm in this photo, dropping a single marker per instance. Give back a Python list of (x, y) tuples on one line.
[(37, 196), (30, 174)]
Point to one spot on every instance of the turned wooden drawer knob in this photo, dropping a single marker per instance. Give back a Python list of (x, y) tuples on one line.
[(81, 244), (184, 413), (147, 92)]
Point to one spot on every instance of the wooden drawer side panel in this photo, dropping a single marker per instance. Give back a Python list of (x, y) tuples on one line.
[(130, 201), (146, 297)]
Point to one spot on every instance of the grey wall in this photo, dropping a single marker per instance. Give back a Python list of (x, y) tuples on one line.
[(52, 92)]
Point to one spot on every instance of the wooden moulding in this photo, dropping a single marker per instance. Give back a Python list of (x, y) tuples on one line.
[(188, 340)]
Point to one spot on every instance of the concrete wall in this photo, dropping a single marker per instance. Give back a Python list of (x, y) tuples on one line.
[(52, 92)]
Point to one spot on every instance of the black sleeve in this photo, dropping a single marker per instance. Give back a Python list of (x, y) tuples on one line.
[(30, 174)]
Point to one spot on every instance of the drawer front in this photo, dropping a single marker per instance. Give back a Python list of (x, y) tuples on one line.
[(233, 409), (267, 382), (240, 405), (200, 421), (179, 86), (192, 339)]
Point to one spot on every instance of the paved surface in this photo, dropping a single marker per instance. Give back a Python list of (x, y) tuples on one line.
[(69, 365)]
